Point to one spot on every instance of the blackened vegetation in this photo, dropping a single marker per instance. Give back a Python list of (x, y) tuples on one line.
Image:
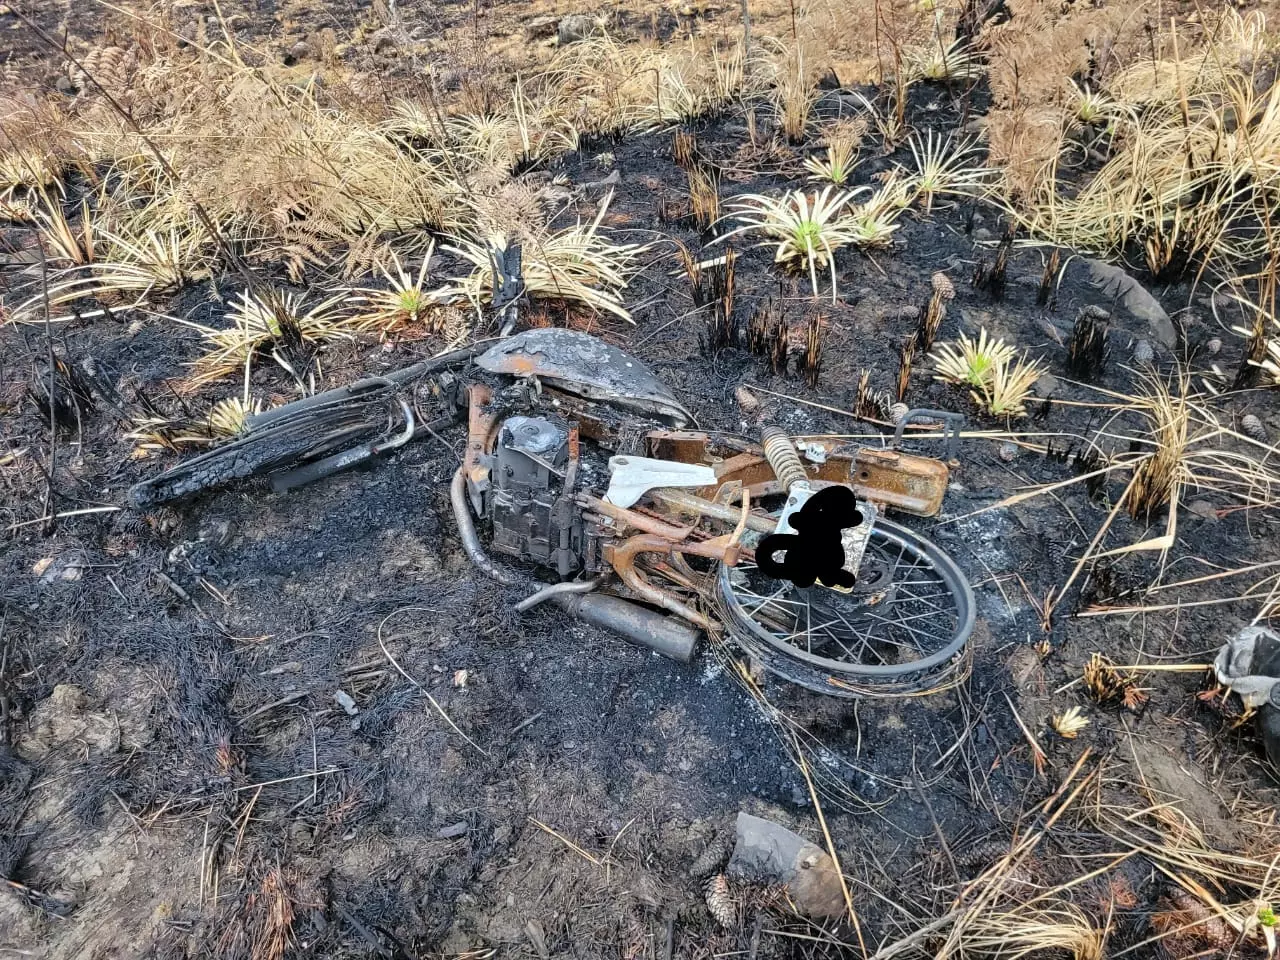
[(931, 318), (1048, 279), (767, 335), (1088, 460), (870, 404), (1087, 348), (1106, 583), (811, 359), (711, 285), (1255, 351), (669, 209), (62, 394), (991, 277), (15, 870), (906, 358)]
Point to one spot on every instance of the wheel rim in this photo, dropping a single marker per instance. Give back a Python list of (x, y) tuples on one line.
[(904, 628)]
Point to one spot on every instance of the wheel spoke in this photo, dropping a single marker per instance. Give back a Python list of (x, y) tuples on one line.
[(905, 609)]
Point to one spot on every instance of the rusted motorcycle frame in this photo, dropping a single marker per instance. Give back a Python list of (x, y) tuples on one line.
[(652, 549)]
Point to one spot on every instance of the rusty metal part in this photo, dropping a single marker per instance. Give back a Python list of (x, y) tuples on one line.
[(581, 364), (481, 426), (622, 557), (638, 625), (687, 446), (688, 502), (905, 482), (554, 590), (782, 456), (889, 478), (470, 540), (632, 518)]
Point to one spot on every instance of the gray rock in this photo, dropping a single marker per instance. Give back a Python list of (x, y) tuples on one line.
[(542, 27), (452, 831), (346, 702), (768, 853), (1203, 509), (1047, 385), (575, 27)]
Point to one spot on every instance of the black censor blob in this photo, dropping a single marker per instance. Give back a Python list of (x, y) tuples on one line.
[(814, 552)]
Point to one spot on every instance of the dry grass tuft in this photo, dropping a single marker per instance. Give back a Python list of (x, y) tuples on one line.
[(1070, 722), (838, 162), (577, 264)]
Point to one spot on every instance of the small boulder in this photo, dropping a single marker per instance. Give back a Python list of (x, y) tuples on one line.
[(575, 27), (768, 853)]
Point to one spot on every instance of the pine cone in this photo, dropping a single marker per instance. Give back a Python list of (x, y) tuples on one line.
[(898, 412), (747, 400), (1252, 428), (720, 902), (1143, 352), (712, 859), (1213, 346), (943, 286)]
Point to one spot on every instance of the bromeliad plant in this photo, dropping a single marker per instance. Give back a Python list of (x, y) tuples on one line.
[(999, 382), (274, 321), (804, 229), (577, 264), (835, 166), (406, 300), (942, 168)]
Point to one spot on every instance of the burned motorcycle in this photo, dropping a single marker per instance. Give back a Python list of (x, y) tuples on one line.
[(579, 466)]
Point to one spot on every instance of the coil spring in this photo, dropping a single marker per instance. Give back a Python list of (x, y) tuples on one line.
[(782, 456)]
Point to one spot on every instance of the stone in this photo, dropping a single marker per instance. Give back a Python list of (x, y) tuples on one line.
[(575, 27), (1047, 385), (541, 27), (765, 852)]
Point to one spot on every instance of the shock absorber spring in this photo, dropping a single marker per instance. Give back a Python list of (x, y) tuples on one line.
[(782, 456)]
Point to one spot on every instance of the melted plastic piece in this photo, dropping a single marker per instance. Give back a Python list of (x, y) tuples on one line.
[(586, 366)]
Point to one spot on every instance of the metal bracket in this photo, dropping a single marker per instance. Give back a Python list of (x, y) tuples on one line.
[(852, 539), (631, 477), (951, 425)]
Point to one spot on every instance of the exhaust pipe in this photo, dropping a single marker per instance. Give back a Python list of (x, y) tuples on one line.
[(669, 636)]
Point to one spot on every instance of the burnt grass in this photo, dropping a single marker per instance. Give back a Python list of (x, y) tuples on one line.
[(176, 753)]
